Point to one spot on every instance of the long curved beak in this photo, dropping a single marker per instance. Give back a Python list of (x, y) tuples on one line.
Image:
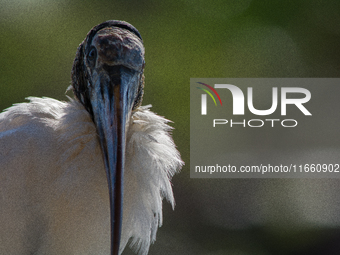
[(112, 103)]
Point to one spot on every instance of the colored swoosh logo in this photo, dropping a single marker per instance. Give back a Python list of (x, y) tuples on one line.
[(213, 90)]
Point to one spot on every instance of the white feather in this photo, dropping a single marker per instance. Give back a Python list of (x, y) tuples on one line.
[(53, 187)]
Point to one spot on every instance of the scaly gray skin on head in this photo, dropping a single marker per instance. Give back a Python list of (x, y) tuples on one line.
[(80, 73), (108, 79)]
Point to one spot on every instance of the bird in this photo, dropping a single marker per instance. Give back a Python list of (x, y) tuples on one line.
[(87, 175)]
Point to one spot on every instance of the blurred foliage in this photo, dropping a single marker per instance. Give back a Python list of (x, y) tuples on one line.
[(183, 39)]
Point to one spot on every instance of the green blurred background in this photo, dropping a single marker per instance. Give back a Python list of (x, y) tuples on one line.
[(184, 39)]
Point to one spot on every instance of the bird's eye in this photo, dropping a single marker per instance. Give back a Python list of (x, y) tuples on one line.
[(91, 56)]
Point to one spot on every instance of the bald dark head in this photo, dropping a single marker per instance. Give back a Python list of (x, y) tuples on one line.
[(109, 46)]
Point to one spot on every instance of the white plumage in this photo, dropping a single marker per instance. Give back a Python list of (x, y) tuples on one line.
[(53, 187)]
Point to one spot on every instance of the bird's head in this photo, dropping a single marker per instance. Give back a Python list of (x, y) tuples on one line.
[(107, 78), (109, 49)]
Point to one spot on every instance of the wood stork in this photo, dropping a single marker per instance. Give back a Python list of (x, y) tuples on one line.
[(63, 165)]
